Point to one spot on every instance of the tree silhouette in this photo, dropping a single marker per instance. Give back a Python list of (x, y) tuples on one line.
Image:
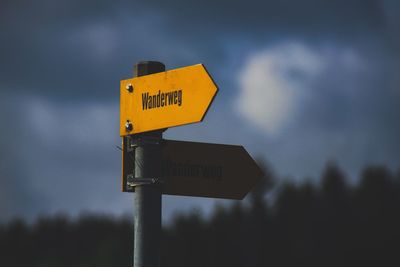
[(326, 224)]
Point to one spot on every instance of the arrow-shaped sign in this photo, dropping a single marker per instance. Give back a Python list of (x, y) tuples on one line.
[(204, 170), (165, 99), (208, 170)]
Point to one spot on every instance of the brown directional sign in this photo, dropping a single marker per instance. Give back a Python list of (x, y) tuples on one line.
[(206, 170)]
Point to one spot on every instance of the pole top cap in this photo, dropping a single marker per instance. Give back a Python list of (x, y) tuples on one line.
[(147, 67)]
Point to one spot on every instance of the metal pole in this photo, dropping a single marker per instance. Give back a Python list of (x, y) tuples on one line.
[(147, 187)]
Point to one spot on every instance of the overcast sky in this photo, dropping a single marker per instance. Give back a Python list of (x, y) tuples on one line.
[(301, 83)]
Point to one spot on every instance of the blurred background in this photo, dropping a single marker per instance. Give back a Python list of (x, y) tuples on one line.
[(310, 88)]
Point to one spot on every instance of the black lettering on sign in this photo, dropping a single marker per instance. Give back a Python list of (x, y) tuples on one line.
[(162, 99), (210, 172)]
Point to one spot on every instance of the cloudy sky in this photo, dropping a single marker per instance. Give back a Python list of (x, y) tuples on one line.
[(301, 83)]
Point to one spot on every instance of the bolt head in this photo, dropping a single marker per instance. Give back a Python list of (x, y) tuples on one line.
[(128, 126), (129, 88)]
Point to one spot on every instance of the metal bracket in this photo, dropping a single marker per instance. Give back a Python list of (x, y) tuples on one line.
[(144, 141), (134, 181)]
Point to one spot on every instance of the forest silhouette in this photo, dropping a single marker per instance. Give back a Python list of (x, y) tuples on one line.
[(329, 223)]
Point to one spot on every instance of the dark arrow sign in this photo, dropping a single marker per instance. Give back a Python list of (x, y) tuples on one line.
[(203, 170)]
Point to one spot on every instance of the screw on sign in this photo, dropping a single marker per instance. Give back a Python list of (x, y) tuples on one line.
[(128, 126), (150, 102), (129, 88)]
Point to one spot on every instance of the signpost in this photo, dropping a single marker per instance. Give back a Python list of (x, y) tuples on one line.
[(152, 101)]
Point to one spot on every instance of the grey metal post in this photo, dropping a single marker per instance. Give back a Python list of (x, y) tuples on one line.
[(147, 188)]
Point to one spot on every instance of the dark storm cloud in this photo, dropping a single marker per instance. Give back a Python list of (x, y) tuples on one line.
[(330, 17), (46, 167), (81, 49), (70, 55), (16, 193), (356, 108), (63, 48)]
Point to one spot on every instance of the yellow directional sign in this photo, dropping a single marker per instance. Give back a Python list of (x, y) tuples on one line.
[(165, 99)]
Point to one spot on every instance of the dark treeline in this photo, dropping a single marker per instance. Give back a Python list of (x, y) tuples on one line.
[(325, 224)]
